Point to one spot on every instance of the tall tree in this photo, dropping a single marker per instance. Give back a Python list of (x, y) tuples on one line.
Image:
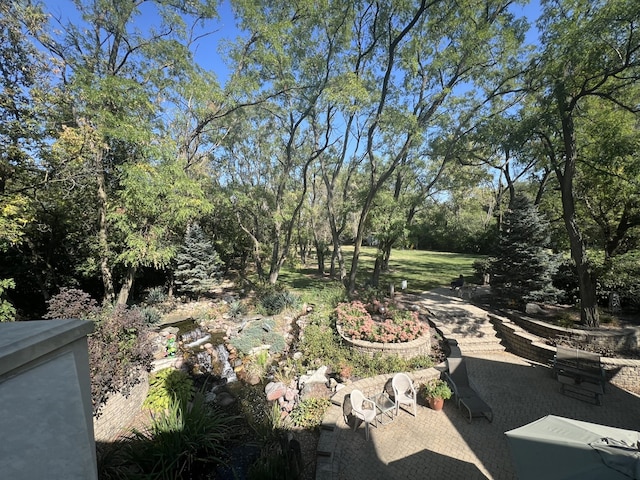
[(589, 49), (115, 81), (523, 267)]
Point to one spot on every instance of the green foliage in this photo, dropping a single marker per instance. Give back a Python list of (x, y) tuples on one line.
[(256, 334), (198, 264), (7, 310), (155, 295), (274, 302), (72, 303), (182, 441), (621, 275), (237, 309), (167, 387), (436, 388), (279, 460), (151, 315), (309, 412)]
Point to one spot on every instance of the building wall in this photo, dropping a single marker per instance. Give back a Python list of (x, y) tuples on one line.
[(45, 401)]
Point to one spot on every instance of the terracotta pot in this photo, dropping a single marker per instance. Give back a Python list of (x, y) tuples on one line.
[(436, 403)]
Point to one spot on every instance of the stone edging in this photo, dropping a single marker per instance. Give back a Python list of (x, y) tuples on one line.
[(624, 373), (327, 461)]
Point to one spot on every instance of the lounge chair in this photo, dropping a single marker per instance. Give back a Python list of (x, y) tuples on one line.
[(458, 380), (404, 393)]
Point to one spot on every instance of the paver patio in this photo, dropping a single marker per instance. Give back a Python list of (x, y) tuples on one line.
[(443, 445)]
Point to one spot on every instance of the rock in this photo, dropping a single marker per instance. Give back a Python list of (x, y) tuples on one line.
[(275, 390), (533, 309), (319, 376), (169, 331), (290, 394), (297, 355)]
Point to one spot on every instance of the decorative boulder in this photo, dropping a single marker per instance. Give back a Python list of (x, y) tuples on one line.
[(275, 390)]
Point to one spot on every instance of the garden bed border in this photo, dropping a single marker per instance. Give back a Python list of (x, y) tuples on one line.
[(406, 350)]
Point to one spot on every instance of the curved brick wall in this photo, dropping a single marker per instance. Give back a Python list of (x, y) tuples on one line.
[(624, 373), (406, 350)]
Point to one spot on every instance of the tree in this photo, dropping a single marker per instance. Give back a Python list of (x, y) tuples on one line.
[(197, 264), (115, 84), (523, 267), (589, 49)]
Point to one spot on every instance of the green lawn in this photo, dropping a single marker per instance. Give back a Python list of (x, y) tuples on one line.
[(423, 270)]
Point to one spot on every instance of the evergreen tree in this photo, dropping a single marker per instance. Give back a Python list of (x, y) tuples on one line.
[(523, 266), (198, 264)]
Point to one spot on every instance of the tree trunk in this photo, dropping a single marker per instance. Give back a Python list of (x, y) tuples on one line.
[(375, 275), (103, 241), (589, 314), (127, 285)]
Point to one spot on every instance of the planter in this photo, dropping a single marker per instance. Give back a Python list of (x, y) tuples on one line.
[(436, 403), (419, 346)]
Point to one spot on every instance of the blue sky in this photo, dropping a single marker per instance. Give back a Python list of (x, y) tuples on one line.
[(206, 51)]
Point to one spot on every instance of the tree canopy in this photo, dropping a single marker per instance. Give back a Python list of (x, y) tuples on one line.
[(396, 124)]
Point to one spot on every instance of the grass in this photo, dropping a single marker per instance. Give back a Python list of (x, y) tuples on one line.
[(423, 270)]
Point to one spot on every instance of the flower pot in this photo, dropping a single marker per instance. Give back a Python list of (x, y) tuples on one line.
[(436, 403)]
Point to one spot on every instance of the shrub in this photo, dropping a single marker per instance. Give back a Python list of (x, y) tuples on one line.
[(273, 303), (72, 303), (151, 315), (398, 326), (156, 295), (166, 387), (7, 310), (119, 349), (237, 309), (309, 412)]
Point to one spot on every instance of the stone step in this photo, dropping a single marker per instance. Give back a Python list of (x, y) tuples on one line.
[(488, 347)]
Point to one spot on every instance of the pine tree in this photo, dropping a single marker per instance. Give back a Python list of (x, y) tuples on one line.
[(523, 267), (198, 264)]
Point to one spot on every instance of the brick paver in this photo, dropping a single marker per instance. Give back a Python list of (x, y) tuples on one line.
[(443, 445)]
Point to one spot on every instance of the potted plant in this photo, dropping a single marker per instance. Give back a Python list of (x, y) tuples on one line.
[(436, 391)]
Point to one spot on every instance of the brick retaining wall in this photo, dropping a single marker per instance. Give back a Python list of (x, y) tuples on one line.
[(618, 340), (624, 373), (120, 411), (406, 350)]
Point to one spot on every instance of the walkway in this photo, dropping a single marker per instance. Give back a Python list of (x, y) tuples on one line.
[(443, 445)]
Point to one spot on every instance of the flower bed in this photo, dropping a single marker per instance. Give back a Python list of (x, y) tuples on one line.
[(391, 331), (394, 325)]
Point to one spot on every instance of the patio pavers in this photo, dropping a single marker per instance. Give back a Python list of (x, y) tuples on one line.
[(443, 445)]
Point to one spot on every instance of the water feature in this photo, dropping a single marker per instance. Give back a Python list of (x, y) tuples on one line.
[(227, 369), (195, 337)]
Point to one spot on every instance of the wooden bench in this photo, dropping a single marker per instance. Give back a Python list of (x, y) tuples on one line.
[(580, 373)]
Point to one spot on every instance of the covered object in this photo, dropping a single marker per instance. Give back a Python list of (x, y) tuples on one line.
[(554, 448)]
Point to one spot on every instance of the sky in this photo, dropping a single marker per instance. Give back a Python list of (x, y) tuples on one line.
[(206, 51)]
